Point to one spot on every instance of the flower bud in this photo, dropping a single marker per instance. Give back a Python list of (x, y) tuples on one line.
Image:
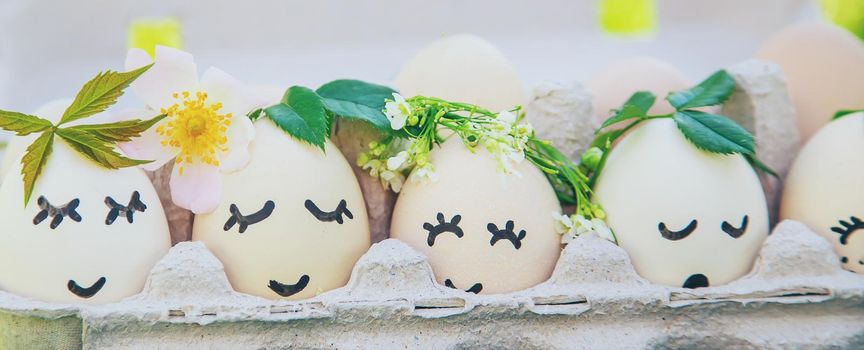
[(591, 158)]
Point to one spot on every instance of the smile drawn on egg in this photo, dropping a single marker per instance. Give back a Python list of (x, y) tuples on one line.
[(246, 220), (88, 292), (476, 288), (287, 290), (117, 209), (57, 213), (335, 215)]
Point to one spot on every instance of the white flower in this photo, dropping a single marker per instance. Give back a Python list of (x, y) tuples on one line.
[(563, 223), (576, 225), (424, 174), (398, 161), (206, 131), (392, 179), (507, 117), (397, 111), (603, 230)]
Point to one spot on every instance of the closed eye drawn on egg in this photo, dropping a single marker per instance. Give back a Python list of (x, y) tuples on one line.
[(335, 215), (246, 220), (57, 213), (735, 232), (854, 224), (117, 209), (443, 226), (476, 288), (506, 234), (676, 235)]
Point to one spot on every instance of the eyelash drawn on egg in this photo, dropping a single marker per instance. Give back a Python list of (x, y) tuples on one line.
[(677, 235), (57, 213), (117, 209), (854, 224), (443, 226), (246, 220), (735, 232), (506, 234), (335, 215)]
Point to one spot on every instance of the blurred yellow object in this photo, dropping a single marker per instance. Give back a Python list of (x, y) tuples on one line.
[(629, 17), (146, 33), (848, 14)]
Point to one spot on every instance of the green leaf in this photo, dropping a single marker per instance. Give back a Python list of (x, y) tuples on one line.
[(625, 113), (844, 112), (123, 131), (644, 100), (34, 161), (714, 133), (301, 114), (96, 149), (354, 99), (100, 93), (713, 91), (22, 124), (255, 114)]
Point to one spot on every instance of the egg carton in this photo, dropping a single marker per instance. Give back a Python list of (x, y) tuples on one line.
[(797, 295)]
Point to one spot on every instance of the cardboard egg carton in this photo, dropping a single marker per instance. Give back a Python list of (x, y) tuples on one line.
[(797, 295)]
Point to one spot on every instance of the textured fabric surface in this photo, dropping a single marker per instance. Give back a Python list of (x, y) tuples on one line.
[(23, 332)]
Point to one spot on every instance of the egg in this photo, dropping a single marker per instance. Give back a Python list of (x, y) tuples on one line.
[(292, 224), (686, 217), (18, 145), (462, 68), (823, 68), (482, 231), (825, 188), (613, 85), (88, 234)]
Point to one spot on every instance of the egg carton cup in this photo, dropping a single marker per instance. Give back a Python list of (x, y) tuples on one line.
[(797, 295)]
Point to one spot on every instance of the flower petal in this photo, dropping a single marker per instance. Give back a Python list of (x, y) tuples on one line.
[(174, 71), (198, 189), (240, 135), (236, 98), (149, 145)]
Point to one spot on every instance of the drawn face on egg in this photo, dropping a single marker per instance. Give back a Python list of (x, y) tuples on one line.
[(482, 231), (291, 224), (825, 188), (686, 217), (89, 234)]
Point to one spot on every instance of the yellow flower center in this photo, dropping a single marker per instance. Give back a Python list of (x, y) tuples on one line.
[(196, 129)]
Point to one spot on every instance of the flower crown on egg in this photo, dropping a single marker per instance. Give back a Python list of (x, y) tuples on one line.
[(96, 142)]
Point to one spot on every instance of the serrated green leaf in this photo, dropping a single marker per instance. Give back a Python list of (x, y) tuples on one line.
[(255, 114), (34, 161), (301, 114), (644, 100), (714, 133), (358, 100), (625, 113), (844, 112), (123, 131), (96, 149), (100, 93), (712, 91), (22, 124)]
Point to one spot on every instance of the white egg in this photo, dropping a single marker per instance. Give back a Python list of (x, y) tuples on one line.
[(18, 145), (823, 68), (69, 244), (686, 217), (482, 230), (302, 221), (613, 85), (463, 68), (825, 188)]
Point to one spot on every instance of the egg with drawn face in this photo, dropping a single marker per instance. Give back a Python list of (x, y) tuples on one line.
[(825, 188), (687, 218), (292, 224), (88, 234), (482, 231)]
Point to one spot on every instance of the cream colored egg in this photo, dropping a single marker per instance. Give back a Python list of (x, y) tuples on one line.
[(823, 68), (613, 85), (67, 245), (302, 221), (825, 188), (18, 145), (463, 68), (686, 217), (481, 230)]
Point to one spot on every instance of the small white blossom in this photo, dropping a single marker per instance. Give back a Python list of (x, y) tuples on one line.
[(563, 223), (397, 111), (392, 179), (506, 117), (398, 161), (424, 174), (603, 230)]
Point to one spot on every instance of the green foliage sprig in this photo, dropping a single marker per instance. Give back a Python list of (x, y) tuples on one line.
[(97, 142)]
